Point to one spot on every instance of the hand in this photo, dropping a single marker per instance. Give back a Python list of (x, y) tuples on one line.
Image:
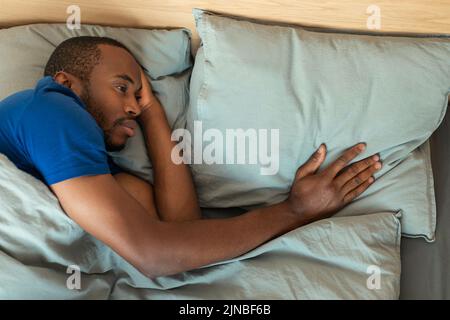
[(147, 98), (315, 196)]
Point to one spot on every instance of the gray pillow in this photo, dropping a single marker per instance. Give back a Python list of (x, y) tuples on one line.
[(165, 54), (321, 87)]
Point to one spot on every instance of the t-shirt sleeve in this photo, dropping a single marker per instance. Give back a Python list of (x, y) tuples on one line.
[(63, 142)]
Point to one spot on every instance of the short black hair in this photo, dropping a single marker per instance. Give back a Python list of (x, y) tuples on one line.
[(78, 56)]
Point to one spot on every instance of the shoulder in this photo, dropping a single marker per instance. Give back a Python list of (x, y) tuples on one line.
[(56, 108)]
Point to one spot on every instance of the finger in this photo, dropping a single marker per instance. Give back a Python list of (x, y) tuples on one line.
[(146, 94), (354, 182), (356, 192), (353, 170), (313, 163), (145, 108), (344, 159)]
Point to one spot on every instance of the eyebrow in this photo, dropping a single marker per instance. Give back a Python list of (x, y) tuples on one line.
[(127, 78)]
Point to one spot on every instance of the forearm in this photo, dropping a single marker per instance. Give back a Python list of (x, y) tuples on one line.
[(174, 190), (193, 244)]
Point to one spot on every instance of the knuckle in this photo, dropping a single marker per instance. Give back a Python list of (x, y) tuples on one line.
[(342, 160), (355, 150), (366, 175), (354, 169), (353, 155), (315, 157), (361, 166)]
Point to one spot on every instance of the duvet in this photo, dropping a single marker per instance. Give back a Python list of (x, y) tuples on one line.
[(46, 255)]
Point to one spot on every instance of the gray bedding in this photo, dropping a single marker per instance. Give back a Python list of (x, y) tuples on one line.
[(425, 266), (34, 262), (337, 258)]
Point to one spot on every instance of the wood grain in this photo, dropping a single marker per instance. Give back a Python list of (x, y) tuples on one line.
[(412, 16)]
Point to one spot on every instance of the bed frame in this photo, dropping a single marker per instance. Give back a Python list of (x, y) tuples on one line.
[(399, 16)]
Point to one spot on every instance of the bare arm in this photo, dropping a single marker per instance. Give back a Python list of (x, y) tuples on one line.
[(173, 187), (102, 208), (161, 248)]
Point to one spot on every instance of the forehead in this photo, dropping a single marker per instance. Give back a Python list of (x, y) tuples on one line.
[(116, 60)]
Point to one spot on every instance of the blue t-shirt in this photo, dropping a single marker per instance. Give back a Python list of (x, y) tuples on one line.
[(48, 133)]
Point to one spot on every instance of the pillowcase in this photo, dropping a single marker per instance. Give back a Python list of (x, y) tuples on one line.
[(164, 54), (318, 87)]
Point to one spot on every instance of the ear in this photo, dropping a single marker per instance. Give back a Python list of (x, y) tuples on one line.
[(63, 78), (69, 81)]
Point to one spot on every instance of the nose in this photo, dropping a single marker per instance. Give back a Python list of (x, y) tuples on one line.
[(132, 108)]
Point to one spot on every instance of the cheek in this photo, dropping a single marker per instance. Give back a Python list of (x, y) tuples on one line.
[(111, 108), (114, 106)]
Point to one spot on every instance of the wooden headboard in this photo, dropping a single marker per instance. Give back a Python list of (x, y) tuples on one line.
[(409, 16)]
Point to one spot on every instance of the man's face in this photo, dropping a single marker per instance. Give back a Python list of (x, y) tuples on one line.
[(112, 93)]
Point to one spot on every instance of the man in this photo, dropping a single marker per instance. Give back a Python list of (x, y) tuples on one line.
[(88, 103)]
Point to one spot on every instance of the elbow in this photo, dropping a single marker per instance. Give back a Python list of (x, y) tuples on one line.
[(152, 271), (158, 255), (150, 268), (160, 264)]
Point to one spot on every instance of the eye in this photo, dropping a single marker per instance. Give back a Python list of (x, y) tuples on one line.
[(122, 88)]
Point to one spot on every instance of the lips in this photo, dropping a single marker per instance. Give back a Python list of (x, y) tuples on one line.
[(129, 126)]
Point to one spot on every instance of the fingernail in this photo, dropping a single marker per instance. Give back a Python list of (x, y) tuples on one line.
[(320, 150), (362, 146), (376, 158), (377, 165), (371, 179)]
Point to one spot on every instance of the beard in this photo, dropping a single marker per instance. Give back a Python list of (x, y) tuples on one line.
[(98, 114)]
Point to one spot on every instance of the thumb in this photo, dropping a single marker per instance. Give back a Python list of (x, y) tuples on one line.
[(313, 163)]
